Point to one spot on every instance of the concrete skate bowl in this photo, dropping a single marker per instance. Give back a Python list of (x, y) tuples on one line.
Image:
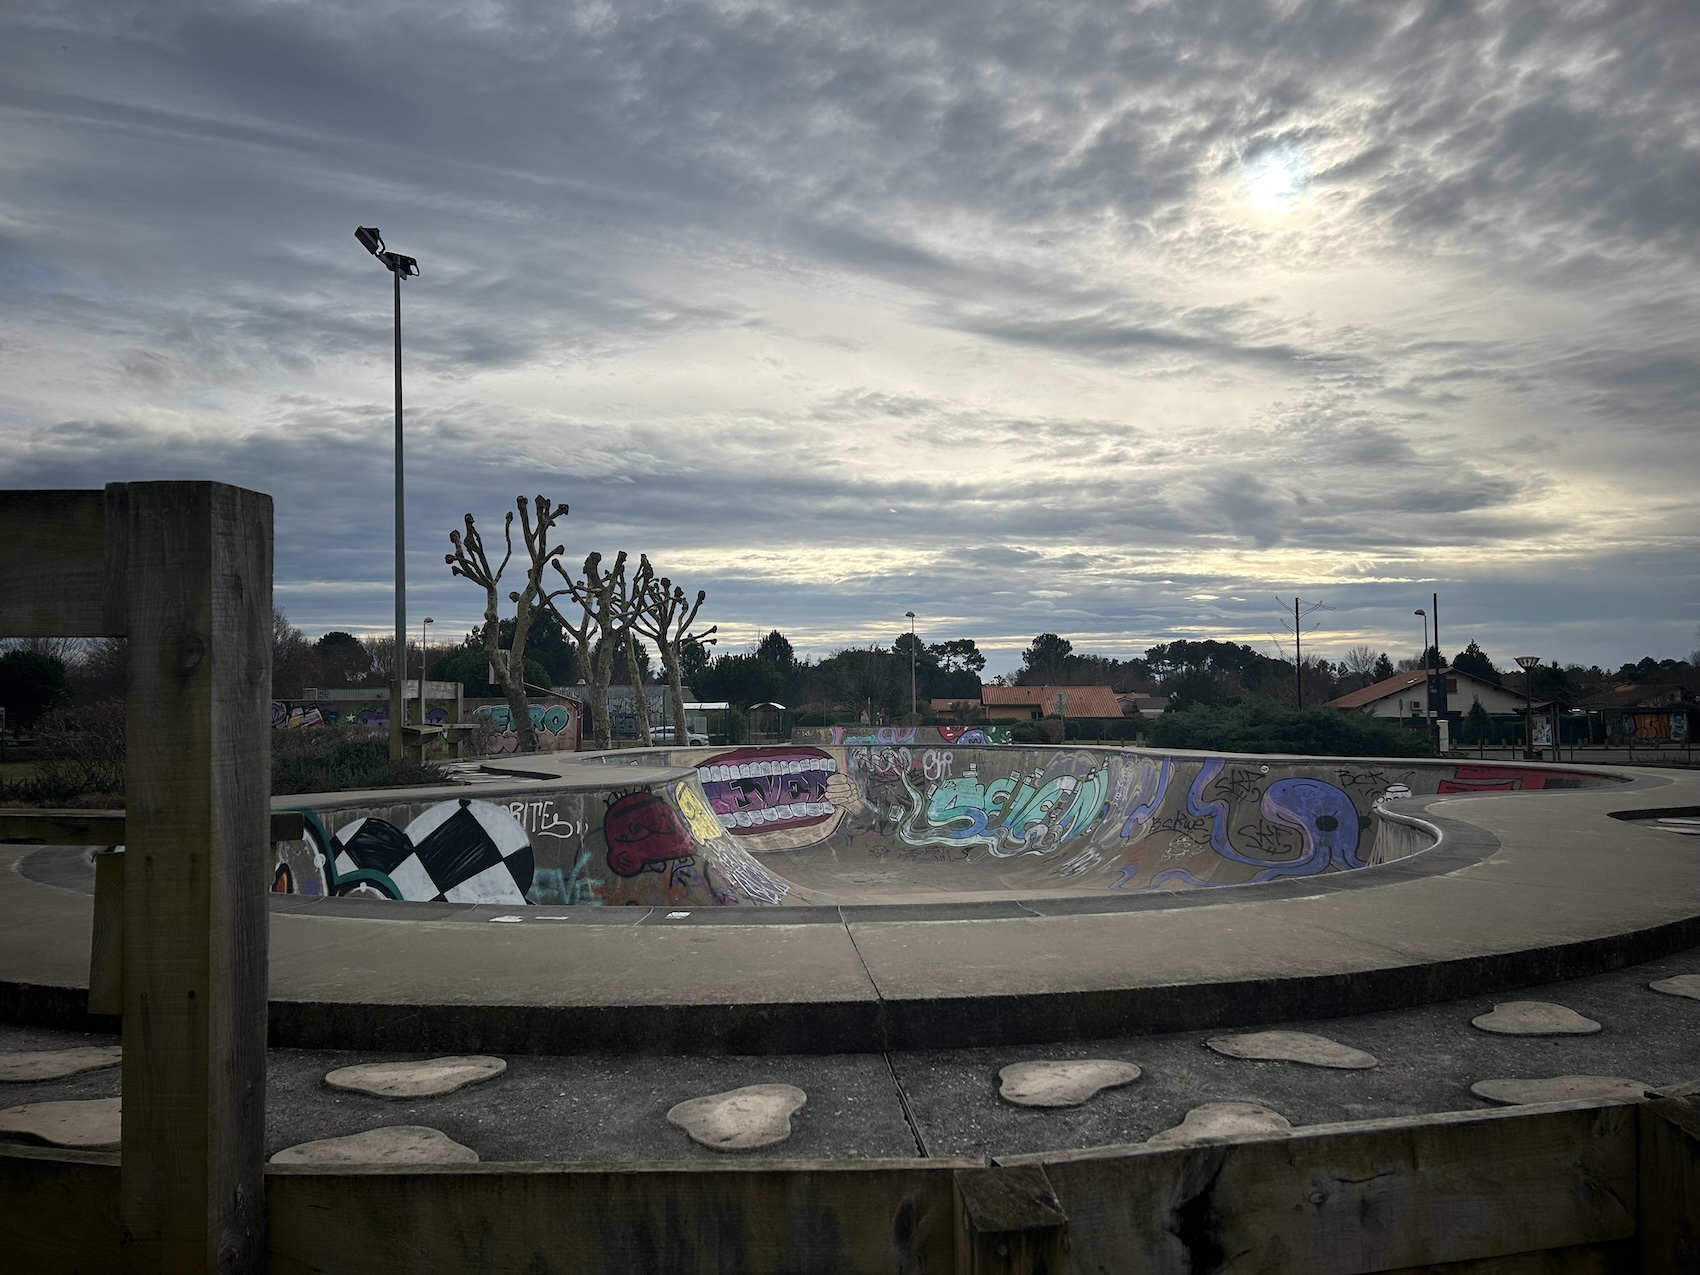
[(881, 824), (804, 899)]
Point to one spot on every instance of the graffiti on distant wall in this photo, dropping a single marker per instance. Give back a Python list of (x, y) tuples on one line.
[(292, 716), (906, 735), (554, 724)]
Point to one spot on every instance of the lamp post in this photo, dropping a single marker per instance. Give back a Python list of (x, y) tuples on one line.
[(1424, 614), (424, 663), (1528, 663), (400, 267), (912, 710)]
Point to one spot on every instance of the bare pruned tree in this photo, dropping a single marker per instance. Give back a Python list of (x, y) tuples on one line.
[(603, 597), (632, 598), (471, 560), (1359, 665), (666, 616)]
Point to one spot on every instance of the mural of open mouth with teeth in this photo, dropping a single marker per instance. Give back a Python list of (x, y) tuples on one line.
[(761, 790)]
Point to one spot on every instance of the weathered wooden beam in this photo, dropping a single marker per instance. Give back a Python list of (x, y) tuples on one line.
[(106, 827), (1010, 1222), (56, 577), (106, 944), (1669, 1204), (197, 864), (1374, 1195)]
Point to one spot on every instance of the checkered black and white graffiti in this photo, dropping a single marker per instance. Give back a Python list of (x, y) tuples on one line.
[(461, 851)]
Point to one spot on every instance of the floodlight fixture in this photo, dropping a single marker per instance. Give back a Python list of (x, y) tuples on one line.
[(397, 263)]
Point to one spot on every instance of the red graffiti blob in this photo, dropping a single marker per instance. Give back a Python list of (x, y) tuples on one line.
[(644, 832)]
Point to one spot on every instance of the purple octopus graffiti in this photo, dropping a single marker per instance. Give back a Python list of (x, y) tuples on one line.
[(1327, 821)]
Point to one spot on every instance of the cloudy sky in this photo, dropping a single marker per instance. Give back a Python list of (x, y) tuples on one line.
[(1117, 320)]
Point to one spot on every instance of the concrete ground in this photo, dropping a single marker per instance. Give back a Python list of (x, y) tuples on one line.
[(945, 1103)]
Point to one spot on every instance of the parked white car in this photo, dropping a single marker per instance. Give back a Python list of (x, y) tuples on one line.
[(664, 735)]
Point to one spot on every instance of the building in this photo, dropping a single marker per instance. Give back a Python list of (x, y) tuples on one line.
[(1026, 703), (1405, 696)]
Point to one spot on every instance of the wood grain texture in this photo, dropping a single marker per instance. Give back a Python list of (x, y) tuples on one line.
[(1010, 1223), (105, 827), (58, 1211), (106, 944), (839, 1217), (53, 576), (1373, 1196), (197, 860), (1670, 1185)]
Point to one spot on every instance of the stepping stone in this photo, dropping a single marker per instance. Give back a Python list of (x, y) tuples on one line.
[(740, 1119), (1063, 1084), (56, 1064), (1682, 985), (1299, 1047), (90, 1124), (1221, 1120), (1534, 1018), (427, 1079), (1514, 1092), (393, 1144)]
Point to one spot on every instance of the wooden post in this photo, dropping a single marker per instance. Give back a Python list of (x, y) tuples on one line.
[(1010, 1223), (198, 585), (1668, 1226)]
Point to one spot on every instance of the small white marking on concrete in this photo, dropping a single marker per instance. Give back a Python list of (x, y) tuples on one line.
[(740, 1119), (1682, 985), (1063, 1083), (674, 916), (1513, 1091), (428, 1078), (393, 1144), (91, 1124), (1222, 1120), (1534, 1018), (506, 920), (1299, 1047), (56, 1064)]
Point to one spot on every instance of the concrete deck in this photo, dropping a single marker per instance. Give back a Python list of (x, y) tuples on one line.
[(1526, 888)]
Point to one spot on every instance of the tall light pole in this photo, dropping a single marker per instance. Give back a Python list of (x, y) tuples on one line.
[(400, 267), (912, 710), (1528, 664), (424, 662)]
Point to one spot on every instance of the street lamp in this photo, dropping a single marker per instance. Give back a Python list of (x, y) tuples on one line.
[(424, 663), (912, 710), (401, 267), (1528, 663)]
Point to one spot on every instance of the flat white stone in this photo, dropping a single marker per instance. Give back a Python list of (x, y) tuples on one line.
[(92, 1124), (1222, 1120), (56, 1064), (428, 1078), (1066, 1083), (1514, 1091), (393, 1144), (1534, 1018), (1299, 1047), (1682, 985), (740, 1119)]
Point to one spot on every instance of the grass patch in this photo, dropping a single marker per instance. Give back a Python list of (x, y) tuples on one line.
[(334, 759), (1268, 728)]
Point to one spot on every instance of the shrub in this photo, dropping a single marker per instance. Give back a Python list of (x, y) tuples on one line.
[(333, 758), (1262, 727), (79, 760)]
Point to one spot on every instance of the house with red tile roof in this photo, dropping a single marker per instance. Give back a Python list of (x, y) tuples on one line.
[(1024, 703)]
